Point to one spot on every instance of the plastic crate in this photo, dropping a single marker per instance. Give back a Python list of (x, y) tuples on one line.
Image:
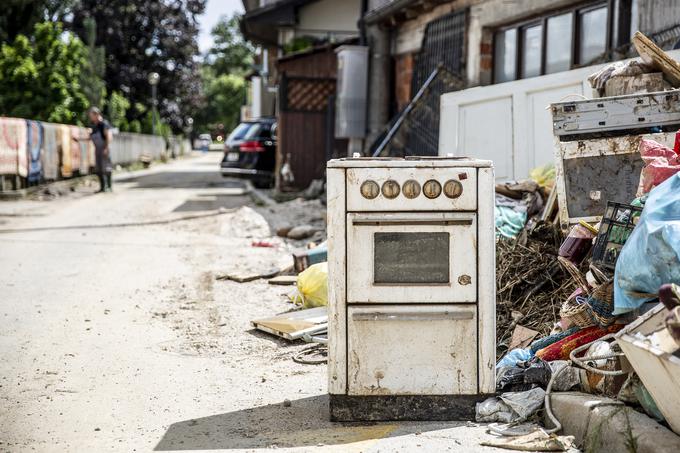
[(616, 226)]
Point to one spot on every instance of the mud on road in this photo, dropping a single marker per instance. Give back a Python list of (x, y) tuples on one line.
[(117, 335)]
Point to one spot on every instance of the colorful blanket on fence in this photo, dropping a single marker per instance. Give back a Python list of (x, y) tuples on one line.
[(13, 157), (84, 142), (75, 148), (51, 151), (65, 151), (34, 144), (561, 349)]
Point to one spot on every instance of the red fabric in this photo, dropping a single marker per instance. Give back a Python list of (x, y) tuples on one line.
[(562, 349), (660, 164)]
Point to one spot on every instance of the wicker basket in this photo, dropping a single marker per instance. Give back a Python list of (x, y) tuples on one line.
[(601, 304), (576, 274), (577, 312)]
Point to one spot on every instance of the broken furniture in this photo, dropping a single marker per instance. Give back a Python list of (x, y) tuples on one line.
[(411, 288), (659, 371), (294, 325)]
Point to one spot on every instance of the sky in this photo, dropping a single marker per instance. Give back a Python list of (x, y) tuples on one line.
[(213, 11)]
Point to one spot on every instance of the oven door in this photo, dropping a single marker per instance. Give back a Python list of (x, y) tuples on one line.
[(411, 257)]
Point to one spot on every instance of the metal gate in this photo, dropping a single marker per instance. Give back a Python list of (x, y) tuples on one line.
[(305, 131), (439, 68)]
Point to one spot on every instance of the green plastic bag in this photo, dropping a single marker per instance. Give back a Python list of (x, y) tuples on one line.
[(312, 286)]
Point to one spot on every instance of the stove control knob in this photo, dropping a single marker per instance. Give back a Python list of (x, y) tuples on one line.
[(453, 188), (390, 189), (411, 188), (432, 188), (370, 189)]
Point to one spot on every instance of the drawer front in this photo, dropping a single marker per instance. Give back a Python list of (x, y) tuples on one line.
[(459, 195), (412, 350)]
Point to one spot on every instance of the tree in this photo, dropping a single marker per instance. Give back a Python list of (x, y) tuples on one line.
[(116, 109), (148, 36), (224, 95), (21, 16), (230, 54), (93, 73), (40, 77)]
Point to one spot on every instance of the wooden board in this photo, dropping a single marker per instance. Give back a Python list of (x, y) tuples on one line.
[(654, 55), (293, 325), (521, 337), (284, 280)]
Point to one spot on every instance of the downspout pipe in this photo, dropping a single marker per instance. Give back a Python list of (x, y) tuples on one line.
[(378, 81)]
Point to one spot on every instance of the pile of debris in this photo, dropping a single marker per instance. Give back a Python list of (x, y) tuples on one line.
[(578, 299), (530, 284)]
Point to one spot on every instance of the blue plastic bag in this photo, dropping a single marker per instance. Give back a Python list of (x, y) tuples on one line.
[(651, 255), (513, 357)]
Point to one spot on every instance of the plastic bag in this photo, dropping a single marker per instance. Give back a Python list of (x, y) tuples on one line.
[(544, 176), (524, 376), (513, 357), (565, 380), (510, 406), (312, 286), (661, 163), (651, 255)]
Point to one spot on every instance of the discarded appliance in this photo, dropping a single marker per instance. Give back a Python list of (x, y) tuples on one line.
[(658, 370), (595, 162), (412, 332), (295, 324), (633, 111)]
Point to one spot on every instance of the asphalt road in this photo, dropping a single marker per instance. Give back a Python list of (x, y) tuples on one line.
[(117, 336)]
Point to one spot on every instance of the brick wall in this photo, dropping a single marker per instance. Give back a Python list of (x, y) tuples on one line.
[(403, 73)]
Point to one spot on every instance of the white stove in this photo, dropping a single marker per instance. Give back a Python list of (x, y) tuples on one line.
[(412, 332)]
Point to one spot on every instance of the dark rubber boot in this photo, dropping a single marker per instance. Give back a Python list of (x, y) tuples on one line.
[(102, 183)]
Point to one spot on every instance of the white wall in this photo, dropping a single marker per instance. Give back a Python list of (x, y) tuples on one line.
[(341, 15)]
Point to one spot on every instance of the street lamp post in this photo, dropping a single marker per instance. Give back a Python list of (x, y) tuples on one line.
[(154, 78)]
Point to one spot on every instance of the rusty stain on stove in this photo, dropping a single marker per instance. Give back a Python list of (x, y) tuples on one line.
[(378, 376), (464, 279)]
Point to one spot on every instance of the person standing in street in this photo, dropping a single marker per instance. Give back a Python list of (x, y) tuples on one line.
[(101, 136)]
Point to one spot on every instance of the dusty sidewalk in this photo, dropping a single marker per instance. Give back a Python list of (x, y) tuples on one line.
[(116, 336)]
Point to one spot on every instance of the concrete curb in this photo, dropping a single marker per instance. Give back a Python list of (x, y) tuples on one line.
[(257, 195), (62, 184), (604, 425)]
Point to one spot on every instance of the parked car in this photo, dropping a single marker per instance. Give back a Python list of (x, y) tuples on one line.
[(250, 152), (204, 142)]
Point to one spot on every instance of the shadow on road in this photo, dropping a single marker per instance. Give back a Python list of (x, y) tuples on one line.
[(303, 424), (182, 180), (210, 202)]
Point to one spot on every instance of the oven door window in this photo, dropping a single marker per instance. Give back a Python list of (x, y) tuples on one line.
[(411, 258)]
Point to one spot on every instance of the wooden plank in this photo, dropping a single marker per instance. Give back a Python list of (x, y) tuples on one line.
[(521, 337), (248, 275), (654, 55), (283, 280), (337, 310), (293, 325), (486, 270)]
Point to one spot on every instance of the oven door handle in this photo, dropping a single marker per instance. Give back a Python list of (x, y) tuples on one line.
[(413, 315), (378, 220)]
